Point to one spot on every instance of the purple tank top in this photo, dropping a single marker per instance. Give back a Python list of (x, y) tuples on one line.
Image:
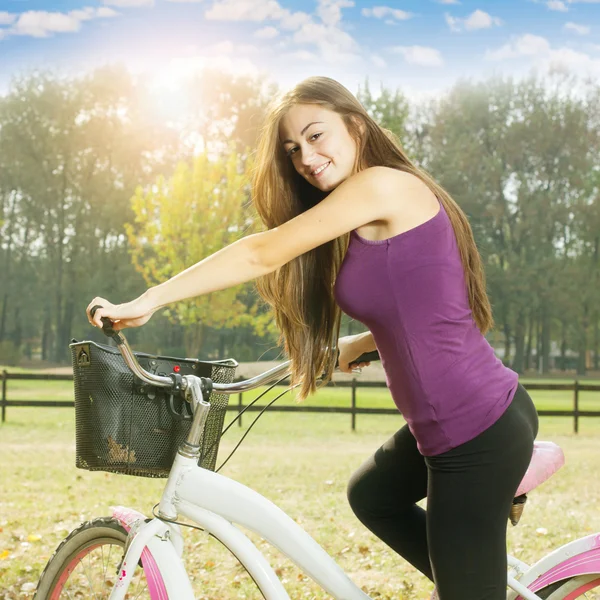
[(442, 373)]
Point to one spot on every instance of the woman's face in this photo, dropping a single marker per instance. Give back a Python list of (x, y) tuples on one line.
[(319, 145)]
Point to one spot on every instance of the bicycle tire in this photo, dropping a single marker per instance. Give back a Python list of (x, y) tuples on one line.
[(55, 582), (572, 588)]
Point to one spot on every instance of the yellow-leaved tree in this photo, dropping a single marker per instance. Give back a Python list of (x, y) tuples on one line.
[(180, 221)]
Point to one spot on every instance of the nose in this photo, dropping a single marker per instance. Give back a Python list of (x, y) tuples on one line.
[(307, 156)]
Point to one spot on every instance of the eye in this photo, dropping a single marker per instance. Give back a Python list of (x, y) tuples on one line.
[(291, 151), (315, 136)]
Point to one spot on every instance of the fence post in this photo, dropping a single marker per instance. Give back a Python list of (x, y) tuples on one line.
[(239, 409), (353, 404), (576, 407), (4, 384)]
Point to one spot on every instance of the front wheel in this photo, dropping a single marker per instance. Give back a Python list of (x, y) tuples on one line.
[(87, 563), (582, 586)]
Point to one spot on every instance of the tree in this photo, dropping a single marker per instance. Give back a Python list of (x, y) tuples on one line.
[(180, 221)]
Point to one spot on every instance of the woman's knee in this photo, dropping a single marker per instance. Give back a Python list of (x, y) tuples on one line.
[(359, 495)]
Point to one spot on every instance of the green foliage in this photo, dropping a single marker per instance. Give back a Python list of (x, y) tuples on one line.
[(10, 353), (180, 221)]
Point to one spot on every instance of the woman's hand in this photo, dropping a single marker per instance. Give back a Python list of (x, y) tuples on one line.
[(131, 314), (350, 348)]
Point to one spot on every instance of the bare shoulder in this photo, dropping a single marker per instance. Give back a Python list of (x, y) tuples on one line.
[(409, 202)]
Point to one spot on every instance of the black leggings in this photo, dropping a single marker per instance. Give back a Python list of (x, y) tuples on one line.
[(460, 540)]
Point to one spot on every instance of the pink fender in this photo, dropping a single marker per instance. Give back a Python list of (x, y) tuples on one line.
[(586, 561), (156, 587)]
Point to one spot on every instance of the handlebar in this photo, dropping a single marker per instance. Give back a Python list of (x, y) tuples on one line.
[(225, 388)]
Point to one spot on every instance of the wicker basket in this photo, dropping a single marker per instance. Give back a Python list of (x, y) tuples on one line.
[(123, 425)]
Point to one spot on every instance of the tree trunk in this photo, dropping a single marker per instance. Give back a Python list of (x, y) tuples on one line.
[(518, 361), (194, 338), (596, 342), (546, 333), (582, 343), (17, 335), (221, 344), (529, 341), (5, 277), (563, 347), (3, 316), (46, 334), (507, 348)]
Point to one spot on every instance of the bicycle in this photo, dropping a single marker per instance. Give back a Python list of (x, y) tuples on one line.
[(149, 551)]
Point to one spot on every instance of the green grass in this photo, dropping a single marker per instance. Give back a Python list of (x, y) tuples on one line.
[(300, 461)]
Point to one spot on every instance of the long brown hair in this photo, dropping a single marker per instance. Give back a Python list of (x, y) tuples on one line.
[(301, 291)]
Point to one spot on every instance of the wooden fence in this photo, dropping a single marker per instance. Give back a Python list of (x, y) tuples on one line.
[(576, 387)]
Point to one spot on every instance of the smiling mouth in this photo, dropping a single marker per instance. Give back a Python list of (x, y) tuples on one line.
[(318, 171)]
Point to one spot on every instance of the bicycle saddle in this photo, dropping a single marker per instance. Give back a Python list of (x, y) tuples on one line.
[(547, 458)]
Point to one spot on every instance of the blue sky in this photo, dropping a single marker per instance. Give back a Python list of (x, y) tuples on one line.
[(420, 46)]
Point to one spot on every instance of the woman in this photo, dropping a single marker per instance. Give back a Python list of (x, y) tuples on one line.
[(353, 224)]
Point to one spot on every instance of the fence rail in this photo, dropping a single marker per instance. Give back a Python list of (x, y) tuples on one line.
[(353, 410)]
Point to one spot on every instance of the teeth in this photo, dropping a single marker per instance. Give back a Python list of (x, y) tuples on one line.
[(321, 168)]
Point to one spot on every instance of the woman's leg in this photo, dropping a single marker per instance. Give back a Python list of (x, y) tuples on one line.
[(383, 493), (471, 489)]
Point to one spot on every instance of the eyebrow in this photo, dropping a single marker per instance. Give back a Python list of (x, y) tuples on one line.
[(301, 133)]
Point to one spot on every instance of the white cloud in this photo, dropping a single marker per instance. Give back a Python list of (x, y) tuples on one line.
[(7, 18), (476, 20), (557, 5), (40, 23), (544, 57), (187, 1), (568, 60), (378, 61), (292, 21), (245, 10), (129, 3), (578, 29), (88, 13), (526, 45), (333, 43), (452, 22), (325, 37), (266, 33), (481, 20), (104, 11), (330, 11), (381, 12), (448, 1), (420, 55)]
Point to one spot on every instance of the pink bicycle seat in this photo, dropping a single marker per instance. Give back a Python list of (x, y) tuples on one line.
[(547, 458)]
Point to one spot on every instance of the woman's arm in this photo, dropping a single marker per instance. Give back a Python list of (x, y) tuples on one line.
[(371, 195), (230, 266), (375, 194), (365, 342)]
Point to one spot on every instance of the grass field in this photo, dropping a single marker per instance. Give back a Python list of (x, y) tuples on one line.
[(300, 461)]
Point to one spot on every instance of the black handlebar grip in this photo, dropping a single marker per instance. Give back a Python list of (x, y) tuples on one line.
[(107, 324), (366, 357)]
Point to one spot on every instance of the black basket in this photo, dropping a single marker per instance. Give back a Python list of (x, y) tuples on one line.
[(123, 425)]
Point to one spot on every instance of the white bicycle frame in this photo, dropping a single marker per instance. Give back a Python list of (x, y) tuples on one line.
[(215, 503)]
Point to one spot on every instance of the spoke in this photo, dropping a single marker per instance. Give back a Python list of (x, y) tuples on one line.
[(85, 571), (140, 578)]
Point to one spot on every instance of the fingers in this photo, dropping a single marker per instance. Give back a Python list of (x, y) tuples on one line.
[(96, 321)]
